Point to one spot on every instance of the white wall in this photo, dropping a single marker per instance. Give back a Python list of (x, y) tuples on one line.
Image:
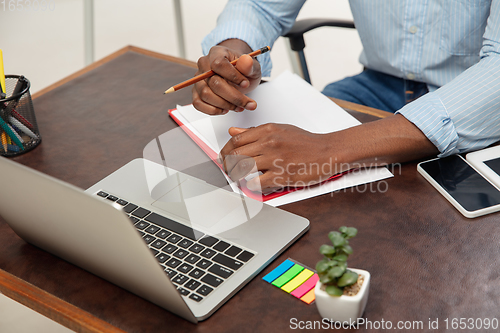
[(46, 45)]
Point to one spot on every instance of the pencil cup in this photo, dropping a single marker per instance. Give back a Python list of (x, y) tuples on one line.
[(18, 128)]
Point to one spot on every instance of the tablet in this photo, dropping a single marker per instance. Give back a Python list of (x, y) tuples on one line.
[(464, 187), (487, 162)]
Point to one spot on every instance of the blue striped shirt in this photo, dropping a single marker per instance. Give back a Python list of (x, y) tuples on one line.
[(453, 46)]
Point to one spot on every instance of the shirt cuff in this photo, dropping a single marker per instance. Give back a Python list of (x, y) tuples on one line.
[(429, 114), (244, 32)]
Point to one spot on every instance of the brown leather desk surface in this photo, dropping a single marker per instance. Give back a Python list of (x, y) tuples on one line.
[(426, 260)]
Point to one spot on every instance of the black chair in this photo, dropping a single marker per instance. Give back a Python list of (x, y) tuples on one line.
[(296, 37)]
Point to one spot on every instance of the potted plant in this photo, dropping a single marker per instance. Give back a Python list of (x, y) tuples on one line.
[(341, 292)]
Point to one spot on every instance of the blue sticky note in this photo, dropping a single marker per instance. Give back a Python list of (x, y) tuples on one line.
[(278, 271)]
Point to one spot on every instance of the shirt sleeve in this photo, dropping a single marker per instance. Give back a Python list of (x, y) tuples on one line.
[(257, 22), (464, 114)]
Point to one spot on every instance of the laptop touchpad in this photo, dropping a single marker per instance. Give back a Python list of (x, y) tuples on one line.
[(202, 204)]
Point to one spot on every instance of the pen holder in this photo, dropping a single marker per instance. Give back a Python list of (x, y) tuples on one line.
[(18, 128)]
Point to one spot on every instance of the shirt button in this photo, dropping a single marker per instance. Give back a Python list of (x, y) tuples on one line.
[(413, 29), (410, 76)]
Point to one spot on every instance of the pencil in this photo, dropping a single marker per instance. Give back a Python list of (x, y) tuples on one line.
[(4, 141), (211, 72), (2, 74)]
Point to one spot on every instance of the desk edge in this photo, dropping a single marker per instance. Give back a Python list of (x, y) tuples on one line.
[(52, 307)]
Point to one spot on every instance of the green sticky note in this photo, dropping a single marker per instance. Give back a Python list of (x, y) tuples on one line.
[(288, 275)]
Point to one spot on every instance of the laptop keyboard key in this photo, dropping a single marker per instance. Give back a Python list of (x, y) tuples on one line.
[(170, 272), (141, 212), (196, 248), (212, 280), (185, 243), (192, 284), (204, 290), (233, 251), (152, 229), (174, 238), (174, 226), (122, 202), (220, 271), (148, 238), (129, 208), (133, 219), (227, 261), (245, 256), (162, 257), (102, 194), (183, 291), (173, 263), (112, 198), (184, 268), (141, 225), (196, 273), (163, 234), (180, 279), (158, 244), (221, 246), (192, 259), (208, 241), (181, 253), (204, 264), (208, 253), (196, 298), (169, 248)]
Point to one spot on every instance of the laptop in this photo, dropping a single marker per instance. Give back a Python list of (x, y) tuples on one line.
[(163, 235)]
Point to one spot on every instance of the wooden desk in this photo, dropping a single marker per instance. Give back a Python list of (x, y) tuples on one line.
[(426, 260)]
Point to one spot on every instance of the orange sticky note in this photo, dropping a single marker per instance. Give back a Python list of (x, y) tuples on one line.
[(309, 297)]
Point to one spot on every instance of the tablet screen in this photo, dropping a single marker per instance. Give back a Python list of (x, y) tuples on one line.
[(462, 182), (494, 165)]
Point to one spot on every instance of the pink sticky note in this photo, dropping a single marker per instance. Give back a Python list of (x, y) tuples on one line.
[(306, 286)]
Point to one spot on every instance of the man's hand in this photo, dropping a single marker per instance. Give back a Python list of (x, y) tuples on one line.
[(289, 156), (285, 154), (226, 90)]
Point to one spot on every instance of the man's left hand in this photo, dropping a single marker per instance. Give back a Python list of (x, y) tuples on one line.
[(285, 154)]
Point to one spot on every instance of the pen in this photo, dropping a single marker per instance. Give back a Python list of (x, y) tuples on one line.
[(14, 122), (23, 120), (20, 85), (12, 133), (211, 72)]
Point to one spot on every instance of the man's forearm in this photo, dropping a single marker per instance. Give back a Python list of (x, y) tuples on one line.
[(389, 140)]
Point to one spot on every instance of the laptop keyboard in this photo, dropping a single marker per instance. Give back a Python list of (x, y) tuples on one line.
[(196, 263)]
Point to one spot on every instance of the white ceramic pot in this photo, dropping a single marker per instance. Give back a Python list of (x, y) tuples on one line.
[(343, 308)]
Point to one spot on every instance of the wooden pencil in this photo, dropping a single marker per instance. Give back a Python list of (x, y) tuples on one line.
[(211, 72)]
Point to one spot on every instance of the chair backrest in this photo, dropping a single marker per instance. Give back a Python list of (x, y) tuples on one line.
[(297, 44)]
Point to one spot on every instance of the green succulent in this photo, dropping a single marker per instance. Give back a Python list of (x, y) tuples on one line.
[(332, 269)]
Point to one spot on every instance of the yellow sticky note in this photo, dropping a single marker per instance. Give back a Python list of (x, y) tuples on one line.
[(297, 281)]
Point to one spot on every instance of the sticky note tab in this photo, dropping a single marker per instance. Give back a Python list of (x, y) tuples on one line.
[(288, 275), (275, 273), (306, 286), (309, 297), (297, 281)]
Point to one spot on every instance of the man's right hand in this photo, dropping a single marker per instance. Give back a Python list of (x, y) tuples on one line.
[(228, 88)]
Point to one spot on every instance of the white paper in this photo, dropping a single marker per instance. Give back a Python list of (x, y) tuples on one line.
[(287, 100)]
